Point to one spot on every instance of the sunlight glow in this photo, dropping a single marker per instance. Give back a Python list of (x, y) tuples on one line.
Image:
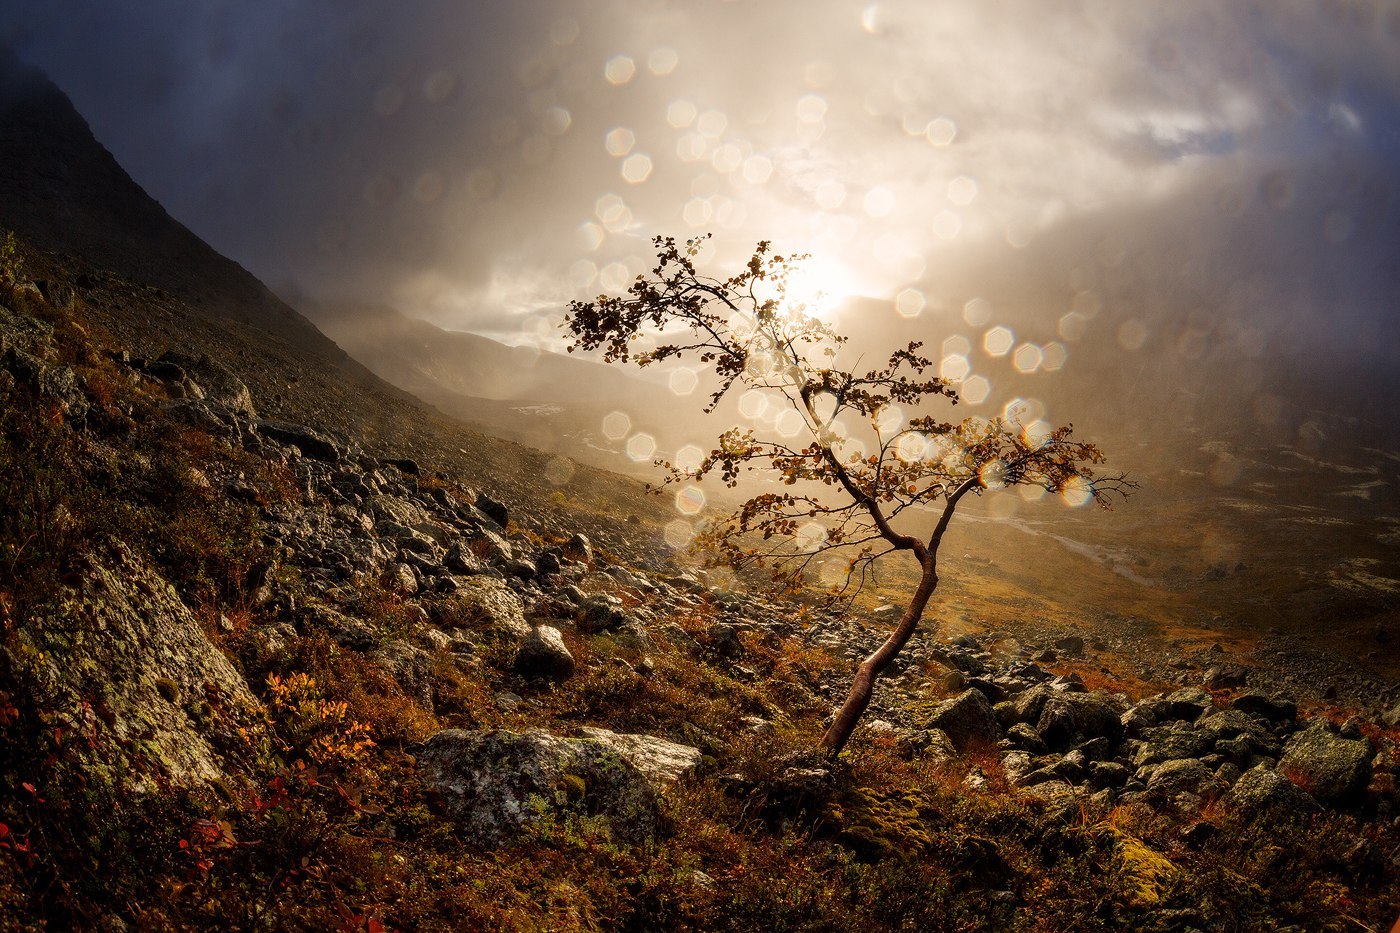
[(1027, 358), (689, 457), (636, 168), (684, 380), (753, 403), (690, 500), (619, 141), (679, 534), (954, 367), (909, 303), (789, 423), (641, 447), (619, 69), (977, 312), (681, 113), (663, 60), (1077, 492), (810, 536), (1132, 335), (998, 341), (962, 190), (616, 425), (941, 132), (559, 471), (975, 390), (993, 474)]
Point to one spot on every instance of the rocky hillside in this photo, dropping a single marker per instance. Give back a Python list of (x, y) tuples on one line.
[(257, 675)]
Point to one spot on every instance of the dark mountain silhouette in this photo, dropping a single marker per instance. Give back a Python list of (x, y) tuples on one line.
[(62, 190), (157, 287)]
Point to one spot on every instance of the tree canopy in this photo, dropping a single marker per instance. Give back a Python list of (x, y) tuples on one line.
[(835, 491)]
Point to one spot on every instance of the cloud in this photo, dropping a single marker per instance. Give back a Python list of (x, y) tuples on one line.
[(481, 163)]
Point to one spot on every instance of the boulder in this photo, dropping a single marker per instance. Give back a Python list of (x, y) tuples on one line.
[(309, 441), (411, 668), (495, 783), (217, 381), (967, 719), (1264, 793), (1180, 775), (1172, 741), (1225, 676), (493, 510), (55, 381), (489, 604), (490, 546), (1265, 706), (122, 643), (1335, 770), (578, 549), (544, 654), (662, 761)]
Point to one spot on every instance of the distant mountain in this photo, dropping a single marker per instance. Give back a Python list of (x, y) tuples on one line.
[(549, 400)]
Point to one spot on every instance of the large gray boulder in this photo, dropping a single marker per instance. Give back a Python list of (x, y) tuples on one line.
[(488, 604), (544, 654), (496, 784), (311, 442), (1333, 769), (967, 719), (121, 643), (1181, 775), (1264, 793), (219, 383), (663, 761)]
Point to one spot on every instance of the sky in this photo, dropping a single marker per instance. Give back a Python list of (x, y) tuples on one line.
[(1171, 173)]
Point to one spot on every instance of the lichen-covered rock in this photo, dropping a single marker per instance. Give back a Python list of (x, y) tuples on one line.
[(967, 719), (217, 381), (122, 641), (1335, 770), (488, 603), (1264, 793), (1180, 775), (659, 759), (490, 546), (543, 654), (578, 549), (411, 668), (496, 783)]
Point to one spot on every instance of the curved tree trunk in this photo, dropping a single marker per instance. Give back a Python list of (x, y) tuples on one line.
[(864, 684)]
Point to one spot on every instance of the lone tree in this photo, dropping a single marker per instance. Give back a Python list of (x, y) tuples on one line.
[(838, 492)]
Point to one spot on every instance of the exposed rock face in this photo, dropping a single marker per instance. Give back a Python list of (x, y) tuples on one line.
[(967, 719), (1333, 769), (124, 642), (660, 760), (544, 654), (497, 783)]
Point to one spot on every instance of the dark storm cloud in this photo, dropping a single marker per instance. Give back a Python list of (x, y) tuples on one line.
[(481, 163)]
